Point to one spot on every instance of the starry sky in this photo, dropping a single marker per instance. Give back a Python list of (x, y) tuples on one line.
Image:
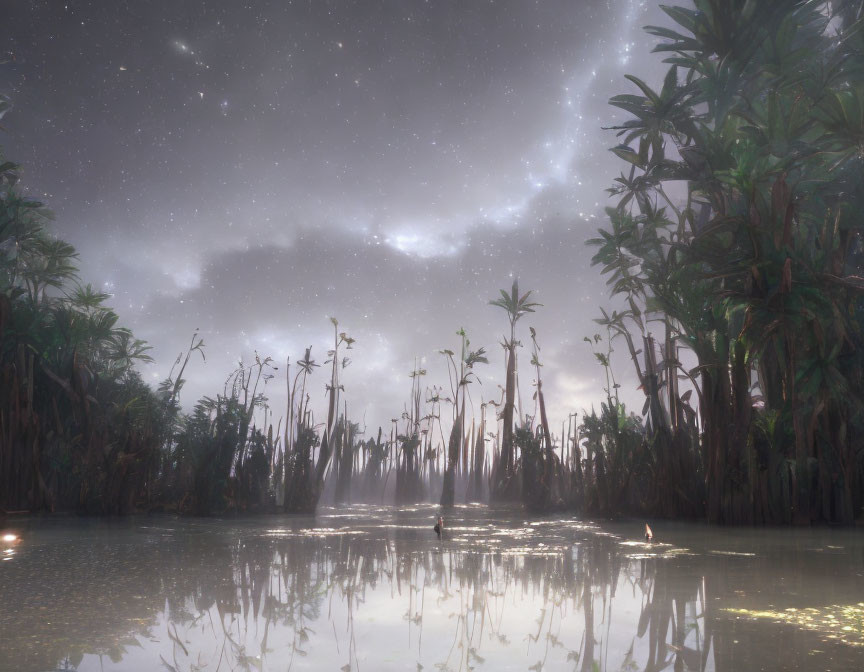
[(250, 169)]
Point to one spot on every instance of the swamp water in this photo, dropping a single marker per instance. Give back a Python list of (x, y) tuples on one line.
[(374, 589)]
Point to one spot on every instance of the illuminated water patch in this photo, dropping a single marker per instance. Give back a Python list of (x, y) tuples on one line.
[(843, 623)]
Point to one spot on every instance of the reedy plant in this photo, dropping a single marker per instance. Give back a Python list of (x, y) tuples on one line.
[(461, 375)]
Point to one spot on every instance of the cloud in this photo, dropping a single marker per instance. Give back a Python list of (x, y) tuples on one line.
[(392, 168), (276, 301)]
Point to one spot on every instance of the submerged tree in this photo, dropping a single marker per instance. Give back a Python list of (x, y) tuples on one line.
[(516, 306), (297, 463), (408, 484), (304, 479), (543, 480), (336, 365), (461, 375)]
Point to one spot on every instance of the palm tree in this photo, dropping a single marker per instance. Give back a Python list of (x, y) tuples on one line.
[(516, 306), (751, 273)]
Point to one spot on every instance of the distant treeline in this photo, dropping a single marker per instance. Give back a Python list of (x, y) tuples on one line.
[(754, 275)]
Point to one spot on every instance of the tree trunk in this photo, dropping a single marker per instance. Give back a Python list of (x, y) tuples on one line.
[(504, 468), (448, 490)]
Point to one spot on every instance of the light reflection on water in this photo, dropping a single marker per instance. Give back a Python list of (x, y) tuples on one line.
[(374, 589)]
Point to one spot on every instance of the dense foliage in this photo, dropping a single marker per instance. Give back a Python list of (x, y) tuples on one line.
[(754, 272), (81, 430), (735, 247), (78, 427)]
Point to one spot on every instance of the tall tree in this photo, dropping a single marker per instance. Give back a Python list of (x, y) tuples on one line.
[(461, 376), (755, 271), (516, 306)]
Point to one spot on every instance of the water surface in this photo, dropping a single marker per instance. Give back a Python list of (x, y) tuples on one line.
[(374, 589)]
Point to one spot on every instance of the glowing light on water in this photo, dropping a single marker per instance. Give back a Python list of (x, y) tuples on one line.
[(9, 538), (842, 622)]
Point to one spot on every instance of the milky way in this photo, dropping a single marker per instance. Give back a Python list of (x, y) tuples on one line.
[(250, 169)]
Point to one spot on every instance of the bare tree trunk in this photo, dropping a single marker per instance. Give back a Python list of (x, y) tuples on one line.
[(504, 469), (448, 490)]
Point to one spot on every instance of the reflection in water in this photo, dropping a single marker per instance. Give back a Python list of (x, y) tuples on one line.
[(375, 589)]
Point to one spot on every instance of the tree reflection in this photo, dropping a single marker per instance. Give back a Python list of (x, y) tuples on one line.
[(547, 595)]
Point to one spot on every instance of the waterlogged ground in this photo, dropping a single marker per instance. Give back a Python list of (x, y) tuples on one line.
[(374, 589)]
